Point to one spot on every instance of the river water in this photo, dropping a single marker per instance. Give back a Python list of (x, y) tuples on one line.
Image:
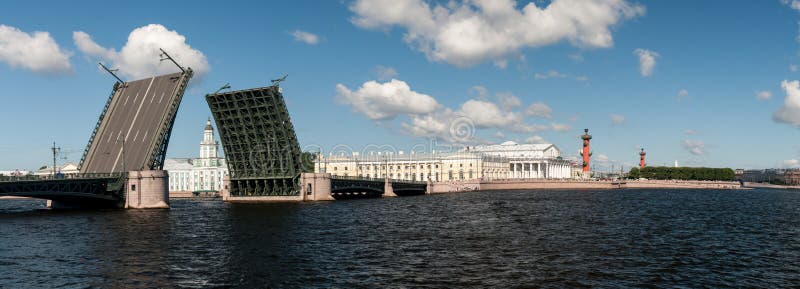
[(502, 239)]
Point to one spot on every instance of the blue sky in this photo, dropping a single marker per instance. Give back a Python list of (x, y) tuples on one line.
[(722, 54)]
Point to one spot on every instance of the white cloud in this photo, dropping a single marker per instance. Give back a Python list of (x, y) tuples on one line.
[(469, 32), (792, 163), (647, 61), (600, 158), (549, 74), (763, 95), (305, 37), (789, 112), (581, 78), (560, 127), (695, 147), (385, 72), (508, 101), (539, 109), (379, 101), (487, 114), (683, 93), (535, 139), (499, 135), (794, 4), (691, 132), (140, 57), (617, 119), (37, 51), (577, 57), (793, 67)]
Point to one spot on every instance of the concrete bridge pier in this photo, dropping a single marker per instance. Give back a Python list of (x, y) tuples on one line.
[(147, 190), (388, 191)]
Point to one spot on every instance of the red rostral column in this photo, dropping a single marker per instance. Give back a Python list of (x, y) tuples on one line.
[(586, 152), (641, 159)]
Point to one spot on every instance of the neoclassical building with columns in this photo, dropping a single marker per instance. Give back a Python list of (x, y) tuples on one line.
[(529, 161)]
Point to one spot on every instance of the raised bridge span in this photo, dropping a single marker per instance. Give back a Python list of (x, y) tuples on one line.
[(131, 135), (264, 158)]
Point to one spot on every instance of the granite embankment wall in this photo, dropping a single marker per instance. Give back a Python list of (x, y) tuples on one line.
[(770, 186), (600, 185), (680, 184), (546, 185)]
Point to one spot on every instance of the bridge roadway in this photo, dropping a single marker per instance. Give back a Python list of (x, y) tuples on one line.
[(136, 115)]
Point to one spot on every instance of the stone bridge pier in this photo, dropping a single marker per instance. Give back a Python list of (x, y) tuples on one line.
[(147, 190)]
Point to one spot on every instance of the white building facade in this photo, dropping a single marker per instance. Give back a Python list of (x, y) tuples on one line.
[(203, 174), (437, 167), (529, 161)]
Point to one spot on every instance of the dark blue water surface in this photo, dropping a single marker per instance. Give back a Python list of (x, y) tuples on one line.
[(620, 238)]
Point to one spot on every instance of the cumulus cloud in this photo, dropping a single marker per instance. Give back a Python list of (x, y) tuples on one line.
[(695, 147), (305, 37), (425, 117), (487, 114), (789, 112), (792, 163), (37, 51), (385, 72), (683, 93), (617, 119), (379, 101), (535, 139), (469, 32), (647, 61), (539, 109), (763, 95), (508, 101), (140, 56)]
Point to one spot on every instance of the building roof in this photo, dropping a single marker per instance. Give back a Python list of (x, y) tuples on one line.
[(178, 164)]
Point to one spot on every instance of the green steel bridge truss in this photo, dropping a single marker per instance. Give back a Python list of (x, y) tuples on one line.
[(260, 144)]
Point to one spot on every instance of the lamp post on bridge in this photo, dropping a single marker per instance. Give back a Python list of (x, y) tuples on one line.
[(56, 150)]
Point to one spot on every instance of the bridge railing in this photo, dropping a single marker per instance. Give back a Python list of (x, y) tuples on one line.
[(357, 178)]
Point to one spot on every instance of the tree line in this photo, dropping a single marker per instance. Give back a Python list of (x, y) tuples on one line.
[(682, 173)]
